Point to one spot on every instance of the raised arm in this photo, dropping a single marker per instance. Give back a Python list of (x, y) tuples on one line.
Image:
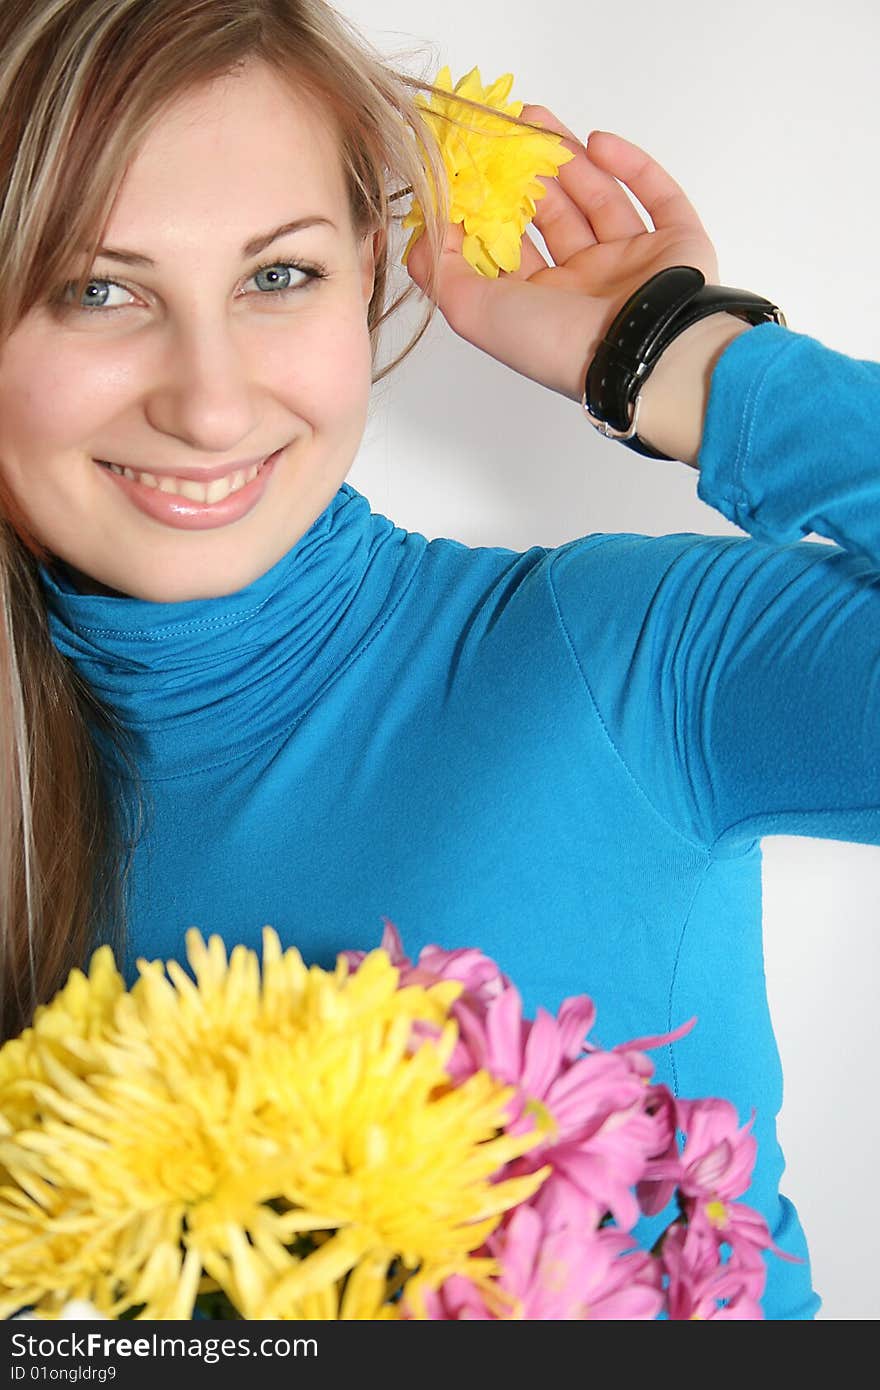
[(740, 678), (784, 430)]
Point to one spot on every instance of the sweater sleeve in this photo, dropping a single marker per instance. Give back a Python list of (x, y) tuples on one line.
[(739, 677)]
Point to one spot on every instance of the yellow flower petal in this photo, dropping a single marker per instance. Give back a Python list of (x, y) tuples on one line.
[(491, 168)]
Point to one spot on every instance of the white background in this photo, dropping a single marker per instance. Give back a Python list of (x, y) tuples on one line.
[(768, 116)]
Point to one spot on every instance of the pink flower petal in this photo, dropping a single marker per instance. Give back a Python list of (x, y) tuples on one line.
[(543, 1055), (504, 1030), (576, 1017)]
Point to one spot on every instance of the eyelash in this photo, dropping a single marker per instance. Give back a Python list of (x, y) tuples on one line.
[(314, 271)]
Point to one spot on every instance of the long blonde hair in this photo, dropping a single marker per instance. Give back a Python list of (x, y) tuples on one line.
[(81, 84)]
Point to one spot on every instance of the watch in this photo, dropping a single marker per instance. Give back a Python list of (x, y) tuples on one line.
[(651, 318)]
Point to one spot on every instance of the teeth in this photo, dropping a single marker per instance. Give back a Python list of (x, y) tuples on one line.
[(215, 491)]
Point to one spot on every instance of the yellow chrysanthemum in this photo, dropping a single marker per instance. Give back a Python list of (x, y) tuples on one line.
[(277, 1139), (65, 1030), (492, 169)]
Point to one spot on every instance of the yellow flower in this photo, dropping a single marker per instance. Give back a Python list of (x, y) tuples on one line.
[(65, 1030), (492, 167), (281, 1140)]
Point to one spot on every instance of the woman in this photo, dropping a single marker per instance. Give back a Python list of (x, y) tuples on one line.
[(291, 711)]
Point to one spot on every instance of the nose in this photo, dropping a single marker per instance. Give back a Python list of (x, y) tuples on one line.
[(205, 395)]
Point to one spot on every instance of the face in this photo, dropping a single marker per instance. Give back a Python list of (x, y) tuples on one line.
[(198, 360)]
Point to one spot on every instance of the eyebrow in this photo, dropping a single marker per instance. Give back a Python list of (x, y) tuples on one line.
[(250, 248)]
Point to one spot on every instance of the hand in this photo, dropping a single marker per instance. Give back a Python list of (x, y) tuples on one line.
[(546, 321)]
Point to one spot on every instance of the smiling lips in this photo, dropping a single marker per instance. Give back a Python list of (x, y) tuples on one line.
[(214, 491), (195, 506)]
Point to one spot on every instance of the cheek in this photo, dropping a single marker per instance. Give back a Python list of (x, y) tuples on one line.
[(326, 375), (49, 401)]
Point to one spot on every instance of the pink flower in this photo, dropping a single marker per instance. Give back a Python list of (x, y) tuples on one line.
[(560, 1275), (714, 1168), (718, 1156), (660, 1177), (734, 1224), (602, 1132), (606, 1155), (662, 1168), (702, 1288)]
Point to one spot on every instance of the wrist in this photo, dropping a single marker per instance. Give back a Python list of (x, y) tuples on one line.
[(675, 396)]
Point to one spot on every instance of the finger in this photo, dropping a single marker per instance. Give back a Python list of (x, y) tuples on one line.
[(592, 188), (561, 223), (663, 199)]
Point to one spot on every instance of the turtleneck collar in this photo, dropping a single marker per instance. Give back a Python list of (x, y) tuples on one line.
[(204, 680)]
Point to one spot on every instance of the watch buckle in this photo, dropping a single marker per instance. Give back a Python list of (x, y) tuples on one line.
[(607, 429)]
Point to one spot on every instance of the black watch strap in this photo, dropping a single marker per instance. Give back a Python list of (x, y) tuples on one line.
[(665, 306)]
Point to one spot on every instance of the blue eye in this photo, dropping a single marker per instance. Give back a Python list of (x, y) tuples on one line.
[(280, 270), (91, 301), (312, 272)]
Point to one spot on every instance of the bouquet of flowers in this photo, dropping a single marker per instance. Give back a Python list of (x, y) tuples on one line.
[(388, 1140)]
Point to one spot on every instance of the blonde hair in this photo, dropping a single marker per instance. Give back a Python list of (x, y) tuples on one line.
[(81, 84)]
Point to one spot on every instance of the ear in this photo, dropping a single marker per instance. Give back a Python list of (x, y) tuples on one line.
[(371, 248)]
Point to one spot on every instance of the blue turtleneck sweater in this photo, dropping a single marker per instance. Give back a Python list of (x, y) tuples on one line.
[(566, 756)]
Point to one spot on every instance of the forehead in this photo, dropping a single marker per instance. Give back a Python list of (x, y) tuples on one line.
[(230, 156)]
